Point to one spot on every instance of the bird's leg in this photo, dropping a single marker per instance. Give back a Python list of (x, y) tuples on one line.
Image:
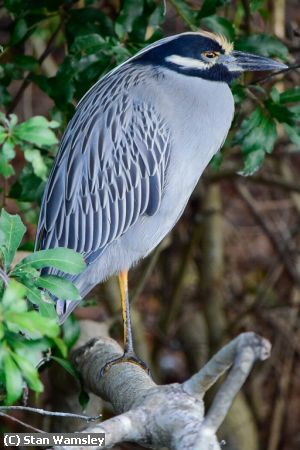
[(123, 283), (129, 353)]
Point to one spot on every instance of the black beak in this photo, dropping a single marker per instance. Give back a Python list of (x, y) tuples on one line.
[(247, 61)]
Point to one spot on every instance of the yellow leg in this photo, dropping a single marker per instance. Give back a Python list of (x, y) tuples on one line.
[(123, 282), (129, 355)]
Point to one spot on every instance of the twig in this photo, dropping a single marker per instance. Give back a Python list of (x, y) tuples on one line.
[(50, 413), (268, 180), (250, 202), (183, 16), (26, 425), (148, 270), (175, 303), (247, 10), (274, 74), (280, 408), (26, 80)]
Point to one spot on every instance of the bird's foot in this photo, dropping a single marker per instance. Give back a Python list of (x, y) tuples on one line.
[(128, 357)]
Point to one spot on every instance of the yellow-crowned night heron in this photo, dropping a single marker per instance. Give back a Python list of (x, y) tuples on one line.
[(133, 153)]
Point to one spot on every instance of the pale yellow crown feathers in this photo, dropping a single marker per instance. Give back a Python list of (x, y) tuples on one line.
[(220, 39)]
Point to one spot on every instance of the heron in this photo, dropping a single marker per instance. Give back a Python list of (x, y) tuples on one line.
[(133, 153)]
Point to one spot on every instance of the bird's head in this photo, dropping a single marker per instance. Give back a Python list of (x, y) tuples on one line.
[(205, 55)]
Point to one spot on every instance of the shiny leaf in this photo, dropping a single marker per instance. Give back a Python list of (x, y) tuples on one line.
[(12, 231), (13, 380), (60, 258), (29, 372), (60, 287)]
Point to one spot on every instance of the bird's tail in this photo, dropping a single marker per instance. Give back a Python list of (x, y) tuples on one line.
[(65, 307)]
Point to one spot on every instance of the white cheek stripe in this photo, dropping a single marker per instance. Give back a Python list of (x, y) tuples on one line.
[(189, 63)]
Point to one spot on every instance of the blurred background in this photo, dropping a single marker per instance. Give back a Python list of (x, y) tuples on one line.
[(232, 263)]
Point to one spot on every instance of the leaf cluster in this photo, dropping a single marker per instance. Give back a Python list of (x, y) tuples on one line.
[(25, 333), (36, 139), (257, 133)]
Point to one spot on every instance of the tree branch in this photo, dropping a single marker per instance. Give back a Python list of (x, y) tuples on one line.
[(170, 415), (43, 412)]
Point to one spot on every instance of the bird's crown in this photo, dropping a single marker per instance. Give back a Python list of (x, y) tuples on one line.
[(222, 40)]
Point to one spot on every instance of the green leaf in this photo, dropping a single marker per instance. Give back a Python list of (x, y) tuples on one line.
[(293, 133), (71, 331), (35, 158), (3, 134), (291, 95), (13, 380), (28, 187), (295, 109), (1, 331), (5, 96), (33, 351), (252, 162), (60, 258), (83, 398), (88, 20), (220, 25), (6, 169), (280, 112), (257, 135), (255, 5), (185, 12), (19, 31), (257, 131), (208, 8), (26, 62), (37, 297), (7, 154), (60, 287), (66, 365), (59, 343), (14, 6), (131, 10), (37, 131), (33, 323), (12, 231), (12, 299), (87, 44), (29, 372), (263, 45)]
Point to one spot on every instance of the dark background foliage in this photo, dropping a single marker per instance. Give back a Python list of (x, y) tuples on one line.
[(232, 262)]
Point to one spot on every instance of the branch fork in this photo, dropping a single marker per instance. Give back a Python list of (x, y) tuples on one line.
[(171, 416)]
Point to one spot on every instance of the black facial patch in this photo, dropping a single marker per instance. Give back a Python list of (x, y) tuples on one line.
[(188, 46)]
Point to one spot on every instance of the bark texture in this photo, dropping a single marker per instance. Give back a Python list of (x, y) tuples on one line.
[(171, 416)]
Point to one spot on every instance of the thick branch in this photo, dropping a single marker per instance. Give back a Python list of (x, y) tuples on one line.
[(248, 348), (171, 415), (121, 385)]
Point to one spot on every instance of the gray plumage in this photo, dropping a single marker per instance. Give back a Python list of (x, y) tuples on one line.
[(127, 165)]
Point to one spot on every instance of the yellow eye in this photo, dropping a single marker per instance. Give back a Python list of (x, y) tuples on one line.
[(210, 55)]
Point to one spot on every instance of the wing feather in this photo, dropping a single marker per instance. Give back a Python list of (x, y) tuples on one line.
[(110, 170)]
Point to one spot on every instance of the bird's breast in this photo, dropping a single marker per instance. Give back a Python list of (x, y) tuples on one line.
[(198, 114)]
